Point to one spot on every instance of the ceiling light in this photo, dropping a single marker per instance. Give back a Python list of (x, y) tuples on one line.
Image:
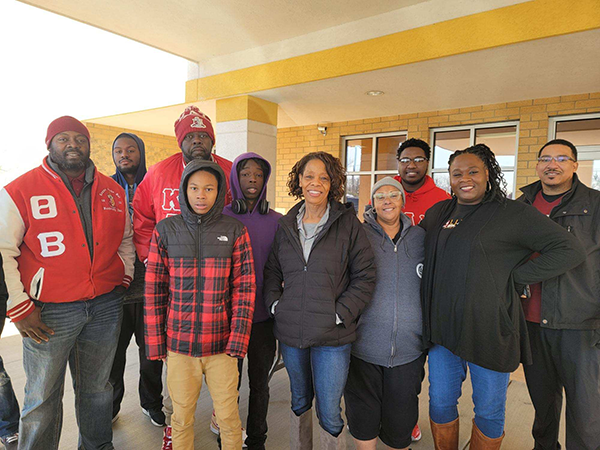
[(375, 93)]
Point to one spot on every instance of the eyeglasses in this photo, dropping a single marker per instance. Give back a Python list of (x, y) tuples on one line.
[(560, 159), (393, 195), (417, 160)]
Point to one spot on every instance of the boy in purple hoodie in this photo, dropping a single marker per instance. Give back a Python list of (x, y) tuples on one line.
[(248, 182)]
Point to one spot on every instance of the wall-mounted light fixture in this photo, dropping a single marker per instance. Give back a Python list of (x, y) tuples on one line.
[(375, 93), (322, 129)]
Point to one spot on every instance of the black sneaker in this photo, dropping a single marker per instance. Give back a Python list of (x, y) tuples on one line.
[(157, 417), (11, 442)]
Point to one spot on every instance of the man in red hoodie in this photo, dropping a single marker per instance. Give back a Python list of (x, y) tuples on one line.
[(157, 195), (421, 192)]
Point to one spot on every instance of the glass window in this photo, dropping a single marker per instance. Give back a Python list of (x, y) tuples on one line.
[(387, 149), (584, 132), (358, 190), (359, 155), (500, 138), (446, 143), (368, 159)]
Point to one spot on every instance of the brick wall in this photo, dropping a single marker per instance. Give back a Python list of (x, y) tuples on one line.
[(158, 146), (293, 143)]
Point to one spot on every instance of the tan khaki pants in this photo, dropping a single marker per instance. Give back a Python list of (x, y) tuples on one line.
[(184, 379)]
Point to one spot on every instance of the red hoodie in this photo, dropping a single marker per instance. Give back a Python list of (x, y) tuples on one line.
[(419, 201)]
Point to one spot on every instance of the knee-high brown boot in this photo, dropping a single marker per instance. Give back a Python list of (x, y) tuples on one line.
[(480, 441), (445, 435), (301, 435)]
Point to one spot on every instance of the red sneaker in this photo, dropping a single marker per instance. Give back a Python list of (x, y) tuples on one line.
[(167, 443), (416, 433)]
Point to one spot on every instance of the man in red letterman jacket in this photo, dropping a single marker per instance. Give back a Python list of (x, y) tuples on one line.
[(66, 240)]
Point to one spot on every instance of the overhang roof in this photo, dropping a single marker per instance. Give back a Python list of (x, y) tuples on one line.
[(230, 35)]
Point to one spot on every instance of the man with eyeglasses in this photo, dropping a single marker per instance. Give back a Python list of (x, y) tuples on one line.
[(563, 313), (157, 197), (421, 192)]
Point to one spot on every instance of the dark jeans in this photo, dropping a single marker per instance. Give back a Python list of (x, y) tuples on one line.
[(150, 384), (85, 337), (9, 407), (568, 359), (261, 353)]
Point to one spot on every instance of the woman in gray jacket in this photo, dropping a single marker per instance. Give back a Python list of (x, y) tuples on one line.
[(386, 366)]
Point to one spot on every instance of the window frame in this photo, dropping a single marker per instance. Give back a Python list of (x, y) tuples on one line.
[(584, 152), (472, 132), (372, 173)]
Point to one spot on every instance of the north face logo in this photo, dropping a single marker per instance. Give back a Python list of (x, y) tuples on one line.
[(223, 238)]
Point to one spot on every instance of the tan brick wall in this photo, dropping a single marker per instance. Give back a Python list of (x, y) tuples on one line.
[(158, 146), (293, 143)]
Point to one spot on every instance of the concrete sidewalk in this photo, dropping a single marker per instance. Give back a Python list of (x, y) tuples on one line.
[(133, 430)]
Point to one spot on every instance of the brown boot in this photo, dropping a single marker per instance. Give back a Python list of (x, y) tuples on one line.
[(301, 436), (328, 442), (480, 441), (445, 435)]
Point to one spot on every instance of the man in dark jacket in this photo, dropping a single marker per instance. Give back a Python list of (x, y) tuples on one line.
[(563, 313), (9, 407), (129, 156)]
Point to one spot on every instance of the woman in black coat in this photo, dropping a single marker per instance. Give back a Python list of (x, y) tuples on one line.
[(318, 278), (477, 264)]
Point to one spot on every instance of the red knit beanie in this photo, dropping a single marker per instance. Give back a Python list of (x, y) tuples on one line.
[(65, 123), (192, 120)]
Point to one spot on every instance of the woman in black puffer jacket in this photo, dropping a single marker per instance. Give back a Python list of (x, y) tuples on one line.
[(318, 278)]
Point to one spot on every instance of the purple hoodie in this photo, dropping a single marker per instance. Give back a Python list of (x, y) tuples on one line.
[(262, 229)]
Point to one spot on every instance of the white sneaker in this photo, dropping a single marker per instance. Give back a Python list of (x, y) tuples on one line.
[(214, 427)]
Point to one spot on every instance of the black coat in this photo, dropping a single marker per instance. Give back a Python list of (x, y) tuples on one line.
[(338, 278), (572, 300), (486, 325)]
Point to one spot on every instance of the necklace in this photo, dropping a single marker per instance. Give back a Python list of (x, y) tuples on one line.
[(451, 223)]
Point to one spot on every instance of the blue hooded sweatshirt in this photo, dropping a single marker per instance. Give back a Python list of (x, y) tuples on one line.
[(261, 227), (141, 171), (135, 293)]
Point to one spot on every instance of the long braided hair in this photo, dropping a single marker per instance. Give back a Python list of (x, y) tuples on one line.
[(497, 185)]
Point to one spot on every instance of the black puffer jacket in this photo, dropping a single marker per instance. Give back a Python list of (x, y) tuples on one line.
[(338, 278), (572, 300)]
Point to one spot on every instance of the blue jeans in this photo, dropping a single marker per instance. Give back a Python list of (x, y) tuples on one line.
[(9, 407), (446, 375), (85, 336), (320, 372)]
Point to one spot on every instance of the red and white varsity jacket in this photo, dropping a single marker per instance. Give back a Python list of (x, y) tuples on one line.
[(44, 246), (156, 198)]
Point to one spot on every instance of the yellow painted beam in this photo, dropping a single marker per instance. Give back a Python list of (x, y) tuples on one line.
[(246, 107), (536, 19)]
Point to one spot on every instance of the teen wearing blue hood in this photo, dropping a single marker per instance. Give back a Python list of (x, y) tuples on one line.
[(248, 183), (129, 156)]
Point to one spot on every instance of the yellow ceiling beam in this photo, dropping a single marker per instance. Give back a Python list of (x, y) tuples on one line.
[(246, 107), (536, 19)]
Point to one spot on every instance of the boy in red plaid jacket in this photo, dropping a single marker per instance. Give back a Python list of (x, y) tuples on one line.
[(199, 302)]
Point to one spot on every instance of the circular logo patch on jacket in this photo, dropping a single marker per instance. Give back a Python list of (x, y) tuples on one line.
[(420, 270)]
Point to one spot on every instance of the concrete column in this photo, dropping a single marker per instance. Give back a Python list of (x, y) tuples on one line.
[(248, 124)]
